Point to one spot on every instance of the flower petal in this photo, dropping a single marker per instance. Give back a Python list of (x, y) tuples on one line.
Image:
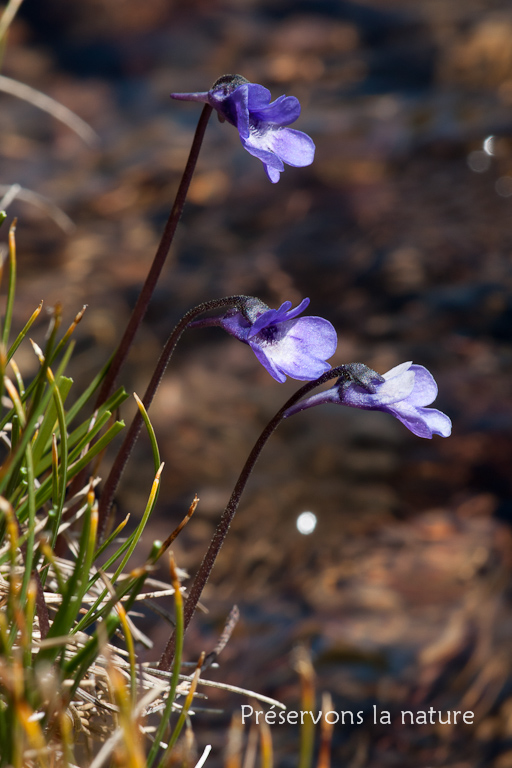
[(274, 316), (282, 111), (239, 99), (265, 320), (412, 418), (293, 147), (301, 348), (255, 145), (425, 387), (439, 422), (286, 313), (396, 389), (320, 333), (273, 174), (236, 325), (258, 96), (423, 422), (233, 107), (397, 370), (293, 358), (267, 362), (393, 390)]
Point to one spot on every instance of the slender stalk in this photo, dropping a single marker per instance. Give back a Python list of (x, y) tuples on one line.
[(112, 481), (158, 262), (221, 531)]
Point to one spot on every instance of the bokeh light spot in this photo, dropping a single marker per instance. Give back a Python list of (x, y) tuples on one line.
[(503, 186), (479, 161), (306, 523)]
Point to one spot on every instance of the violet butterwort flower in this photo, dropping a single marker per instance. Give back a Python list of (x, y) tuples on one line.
[(404, 392), (260, 122), (286, 345)]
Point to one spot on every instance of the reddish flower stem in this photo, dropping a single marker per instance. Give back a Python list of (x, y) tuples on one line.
[(146, 293), (221, 531), (112, 481)]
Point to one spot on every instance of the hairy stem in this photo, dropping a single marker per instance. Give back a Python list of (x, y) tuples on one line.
[(221, 531), (158, 262), (125, 450)]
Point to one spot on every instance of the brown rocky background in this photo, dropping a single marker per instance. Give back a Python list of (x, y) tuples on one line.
[(401, 235)]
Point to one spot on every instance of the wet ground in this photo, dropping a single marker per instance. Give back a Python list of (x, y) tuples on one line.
[(401, 235)]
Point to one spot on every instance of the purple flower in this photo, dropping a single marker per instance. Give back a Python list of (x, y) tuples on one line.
[(283, 343), (404, 391), (260, 122)]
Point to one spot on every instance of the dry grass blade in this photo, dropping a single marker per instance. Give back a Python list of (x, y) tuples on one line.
[(169, 540), (235, 742), (118, 735), (9, 196), (267, 752), (186, 708), (303, 665), (326, 732), (252, 747), (28, 196), (54, 108), (231, 623), (8, 15), (236, 689)]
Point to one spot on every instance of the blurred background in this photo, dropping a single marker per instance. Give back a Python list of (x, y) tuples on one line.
[(401, 235)]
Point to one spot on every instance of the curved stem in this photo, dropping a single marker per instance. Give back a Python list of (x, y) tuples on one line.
[(112, 481), (232, 506), (158, 262)]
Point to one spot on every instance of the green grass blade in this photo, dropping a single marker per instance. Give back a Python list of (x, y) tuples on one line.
[(37, 380), (113, 536), (21, 335), (76, 585), (62, 343), (45, 490), (131, 543), (12, 285), (77, 666), (55, 479), (44, 357), (11, 465), (65, 359), (58, 502), (183, 714), (179, 632), (77, 441), (29, 553), (151, 432), (19, 380), (18, 423), (51, 418), (95, 449), (91, 389), (112, 404)]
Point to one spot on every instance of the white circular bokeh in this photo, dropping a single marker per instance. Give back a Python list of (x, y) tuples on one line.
[(306, 523)]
